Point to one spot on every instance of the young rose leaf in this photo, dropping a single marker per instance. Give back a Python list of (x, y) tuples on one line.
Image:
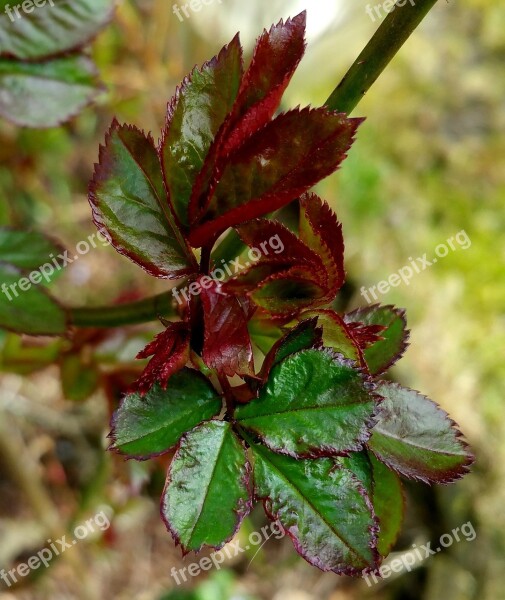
[(266, 173), (207, 494), (227, 344), (313, 404), (384, 353), (170, 351), (416, 438), (26, 307), (146, 426), (302, 337), (130, 205), (384, 488), (336, 334), (194, 118), (50, 28), (275, 59), (320, 231), (27, 250), (276, 56), (46, 94), (322, 507)]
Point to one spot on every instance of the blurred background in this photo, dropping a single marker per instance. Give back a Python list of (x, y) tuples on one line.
[(429, 162)]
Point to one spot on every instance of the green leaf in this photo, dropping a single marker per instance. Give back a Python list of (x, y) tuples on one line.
[(323, 508), (130, 205), (45, 94), (26, 307), (150, 425), (384, 488), (194, 117), (313, 404), (51, 26), (384, 353), (26, 249), (208, 487), (416, 438)]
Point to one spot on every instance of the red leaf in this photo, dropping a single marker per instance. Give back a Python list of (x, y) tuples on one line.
[(321, 231), (227, 345), (170, 351), (276, 56), (365, 335), (267, 172)]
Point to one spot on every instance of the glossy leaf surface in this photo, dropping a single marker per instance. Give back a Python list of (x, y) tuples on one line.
[(313, 404), (323, 508), (207, 494), (150, 425), (416, 438)]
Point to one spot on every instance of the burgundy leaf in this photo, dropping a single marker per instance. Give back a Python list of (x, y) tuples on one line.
[(321, 231), (227, 345), (170, 352), (274, 62), (267, 172)]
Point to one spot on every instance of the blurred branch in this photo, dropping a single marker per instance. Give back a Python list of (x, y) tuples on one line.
[(377, 54), (395, 30)]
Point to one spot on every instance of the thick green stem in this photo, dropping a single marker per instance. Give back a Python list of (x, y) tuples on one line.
[(395, 30), (387, 41)]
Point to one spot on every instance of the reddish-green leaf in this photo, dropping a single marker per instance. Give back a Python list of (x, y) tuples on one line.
[(130, 205), (207, 494), (314, 404), (227, 345), (381, 355), (266, 173), (416, 438), (323, 508), (194, 117), (146, 426)]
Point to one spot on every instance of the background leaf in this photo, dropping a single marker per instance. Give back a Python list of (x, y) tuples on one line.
[(45, 94), (58, 26)]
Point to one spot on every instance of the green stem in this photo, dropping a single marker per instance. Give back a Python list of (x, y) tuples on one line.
[(142, 311), (394, 31), (384, 45)]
